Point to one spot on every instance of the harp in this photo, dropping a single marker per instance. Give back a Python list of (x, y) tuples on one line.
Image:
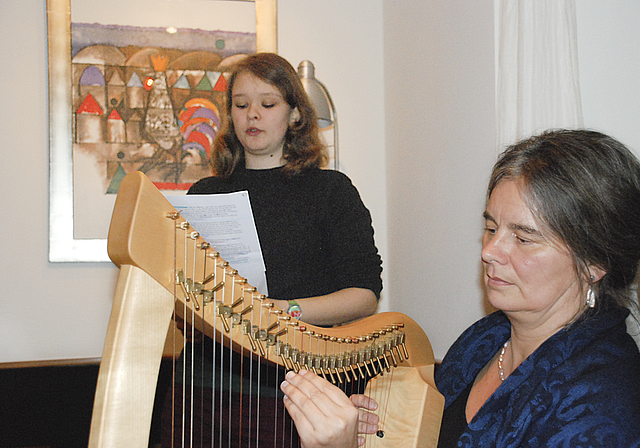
[(166, 268)]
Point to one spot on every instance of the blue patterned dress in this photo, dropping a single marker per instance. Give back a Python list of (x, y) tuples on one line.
[(580, 388)]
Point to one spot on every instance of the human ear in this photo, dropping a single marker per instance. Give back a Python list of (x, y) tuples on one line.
[(596, 273), (294, 116)]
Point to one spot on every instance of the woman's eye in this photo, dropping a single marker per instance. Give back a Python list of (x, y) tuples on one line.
[(240, 106), (268, 106), (489, 230)]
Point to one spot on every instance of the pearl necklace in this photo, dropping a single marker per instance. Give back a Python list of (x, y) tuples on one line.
[(501, 358)]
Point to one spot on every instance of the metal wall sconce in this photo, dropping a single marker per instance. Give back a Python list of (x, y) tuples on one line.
[(323, 104)]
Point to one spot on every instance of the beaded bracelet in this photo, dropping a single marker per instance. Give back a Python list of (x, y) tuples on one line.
[(294, 309)]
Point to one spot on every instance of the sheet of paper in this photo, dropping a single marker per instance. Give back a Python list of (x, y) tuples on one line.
[(226, 222)]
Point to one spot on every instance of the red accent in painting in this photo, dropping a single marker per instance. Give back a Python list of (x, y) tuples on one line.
[(89, 106), (114, 115), (199, 137), (185, 116), (221, 84)]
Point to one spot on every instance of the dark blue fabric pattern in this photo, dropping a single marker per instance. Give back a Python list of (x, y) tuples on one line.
[(580, 388)]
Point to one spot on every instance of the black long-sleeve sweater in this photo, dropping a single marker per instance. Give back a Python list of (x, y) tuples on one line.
[(314, 231)]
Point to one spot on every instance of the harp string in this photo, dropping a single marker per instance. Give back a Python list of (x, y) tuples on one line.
[(387, 391), (214, 279), (174, 334), (290, 335), (381, 395), (185, 359), (222, 358), (240, 413), (274, 323), (191, 242), (204, 250), (232, 287)]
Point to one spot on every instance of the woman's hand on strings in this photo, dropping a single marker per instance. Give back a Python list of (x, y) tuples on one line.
[(323, 414), (367, 421)]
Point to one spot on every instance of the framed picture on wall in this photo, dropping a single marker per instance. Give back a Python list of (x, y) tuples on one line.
[(136, 85)]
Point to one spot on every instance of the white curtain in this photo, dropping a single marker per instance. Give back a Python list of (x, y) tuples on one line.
[(537, 84)]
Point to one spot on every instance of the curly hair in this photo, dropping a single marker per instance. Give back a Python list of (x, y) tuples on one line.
[(584, 187), (303, 148)]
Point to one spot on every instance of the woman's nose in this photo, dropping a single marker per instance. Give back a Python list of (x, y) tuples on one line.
[(252, 112), (493, 249)]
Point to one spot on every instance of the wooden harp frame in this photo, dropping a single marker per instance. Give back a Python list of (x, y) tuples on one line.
[(148, 239)]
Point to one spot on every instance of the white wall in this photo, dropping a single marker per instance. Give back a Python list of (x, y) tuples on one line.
[(609, 53), (439, 93)]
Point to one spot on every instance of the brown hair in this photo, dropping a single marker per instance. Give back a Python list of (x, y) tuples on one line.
[(584, 187), (303, 148)]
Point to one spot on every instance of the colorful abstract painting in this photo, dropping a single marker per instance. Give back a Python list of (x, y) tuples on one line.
[(150, 99)]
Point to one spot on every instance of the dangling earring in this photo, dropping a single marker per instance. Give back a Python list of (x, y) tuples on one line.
[(591, 297)]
